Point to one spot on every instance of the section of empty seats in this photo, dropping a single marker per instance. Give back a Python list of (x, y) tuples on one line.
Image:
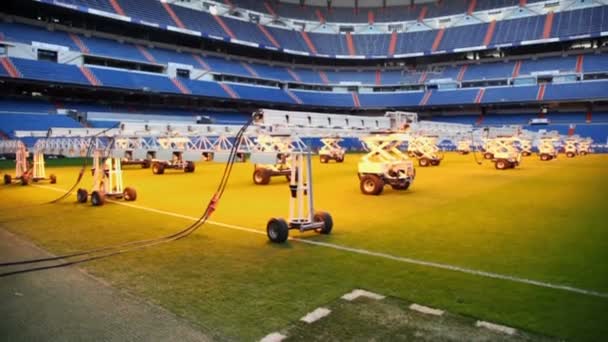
[(246, 31), (134, 80), (351, 77), (325, 98), (113, 49), (447, 73), (414, 42), (309, 76), (103, 5), (579, 22), (510, 94), (507, 119), (463, 36), (392, 77), (261, 93), (35, 122), (288, 39), (26, 107), (272, 72), (199, 21), (577, 91), (595, 63), (150, 11), (446, 97), (371, 44), (164, 56), (226, 66), (27, 34), (329, 44), (483, 5), (49, 71), (567, 118), (489, 71), (383, 100), (550, 64), (522, 29), (205, 88)]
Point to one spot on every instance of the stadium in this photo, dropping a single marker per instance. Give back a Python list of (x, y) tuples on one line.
[(307, 170)]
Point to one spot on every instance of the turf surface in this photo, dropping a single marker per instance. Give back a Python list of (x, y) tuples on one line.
[(543, 221)]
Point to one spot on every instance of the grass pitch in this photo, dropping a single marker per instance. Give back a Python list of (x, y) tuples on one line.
[(543, 221)]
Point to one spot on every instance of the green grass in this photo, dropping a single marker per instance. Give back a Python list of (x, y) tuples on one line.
[(542, 221)]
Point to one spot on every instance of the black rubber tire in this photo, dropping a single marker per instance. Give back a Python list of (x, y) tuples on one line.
[(277, 230), (570, 154), (323, 159), (544, 157), (82, 195), (583, 153), (435, 162), (261, 176), (424, 162), (52, 179), (146, 164), (190, 167), (129, 194), (371, 185), (325, 217), (98, 198), (401, 186), (158, 168), (25, 179), (8, 179), (501, 164), (340, 159)]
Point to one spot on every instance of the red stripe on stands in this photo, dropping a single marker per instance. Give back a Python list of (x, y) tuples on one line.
[(179, 85), (229, 91), (89, 75), (225, 27), (579, 63), (308, 42), (269, 36), (356, 99), (117, 8), (320, 16), (425, 98), (173, 16), (378, 77), (463, 69), (489, 33), (393, 44), (146, 54), (422, 13), (250, 70), (201, 62), (480, 94), (523, 3), (229, 3), (471, 8), (270, 9), (588, 117), (81, 46), (516, 68), (293, 74), (422, 78), (438, 38), (10, 68), (370, 17), (350, 44), (323, 76), (293, 96), (541, 93), (548, 25), (479, 119)]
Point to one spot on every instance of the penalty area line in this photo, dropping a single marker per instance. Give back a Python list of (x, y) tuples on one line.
[(360, 251)]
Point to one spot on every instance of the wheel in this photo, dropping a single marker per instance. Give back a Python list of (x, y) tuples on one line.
[(401, 186), (570, 154), (323, 159), (53, 179), (435, 162), (158, 168), (501, 164), (544, 157), (424, 162), (488, 155), (371, 185), (8, 179), (190, 166), (277, 230), (261, 176), (82, 195), (322, 216), (340, 159), (583, 153), (129, 194), (25, 179), (146, 164), (98, 198)]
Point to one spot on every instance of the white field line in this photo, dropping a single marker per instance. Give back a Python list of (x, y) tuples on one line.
[(376, 254), (354, 294), (496, 327), (426, 310), (273, 337), (316, 315)]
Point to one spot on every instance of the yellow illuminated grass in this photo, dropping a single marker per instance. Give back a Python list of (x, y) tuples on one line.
[(543, 221)]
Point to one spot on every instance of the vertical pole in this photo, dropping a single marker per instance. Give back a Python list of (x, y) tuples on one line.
[(311, 209)]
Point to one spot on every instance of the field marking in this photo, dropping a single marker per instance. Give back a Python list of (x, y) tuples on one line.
[(354, 294), (375, 254), (273, 337), (426, 310), (496, 327), (316, 315)]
